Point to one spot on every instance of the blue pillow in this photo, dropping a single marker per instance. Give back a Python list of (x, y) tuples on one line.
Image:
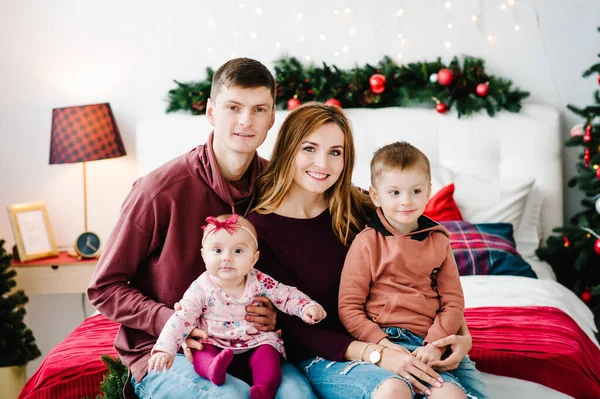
[(486, 249)]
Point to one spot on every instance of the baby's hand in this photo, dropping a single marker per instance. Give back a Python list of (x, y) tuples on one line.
[(314, 314), (159, 361), (428, 353)]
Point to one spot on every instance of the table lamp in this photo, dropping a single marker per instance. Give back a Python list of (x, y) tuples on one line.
[(82, 134)]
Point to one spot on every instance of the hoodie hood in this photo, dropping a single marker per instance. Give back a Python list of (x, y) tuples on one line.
[(232, 193)]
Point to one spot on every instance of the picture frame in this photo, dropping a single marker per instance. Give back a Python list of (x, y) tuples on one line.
[(33, 233)]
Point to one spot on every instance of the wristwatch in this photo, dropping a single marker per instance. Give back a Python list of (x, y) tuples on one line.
[(375, 356)]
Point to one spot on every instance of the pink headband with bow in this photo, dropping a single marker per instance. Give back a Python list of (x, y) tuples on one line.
[(230, 225)]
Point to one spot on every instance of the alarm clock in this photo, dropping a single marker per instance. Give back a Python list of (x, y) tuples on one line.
[(87, 245)]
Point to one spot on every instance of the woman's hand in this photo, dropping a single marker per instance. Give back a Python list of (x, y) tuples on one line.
[(459, 345), (409, 367), (264, 317)]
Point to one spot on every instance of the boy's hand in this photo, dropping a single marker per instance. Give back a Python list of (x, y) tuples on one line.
[(160, 361), (428, 353), (314, 314)]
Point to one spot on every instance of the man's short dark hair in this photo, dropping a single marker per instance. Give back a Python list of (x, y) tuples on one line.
[(242, 72)]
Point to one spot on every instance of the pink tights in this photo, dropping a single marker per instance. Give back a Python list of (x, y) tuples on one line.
[(262, 364)]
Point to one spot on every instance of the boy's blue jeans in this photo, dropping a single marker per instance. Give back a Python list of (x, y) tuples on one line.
[(465, 376), (182, 382)]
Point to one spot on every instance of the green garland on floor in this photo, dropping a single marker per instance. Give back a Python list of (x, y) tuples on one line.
[(414, 84)]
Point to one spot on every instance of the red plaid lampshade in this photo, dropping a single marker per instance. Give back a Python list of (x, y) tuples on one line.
[(84, 133)]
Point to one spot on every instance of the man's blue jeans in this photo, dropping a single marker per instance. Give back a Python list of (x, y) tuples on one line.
[(182, 382)]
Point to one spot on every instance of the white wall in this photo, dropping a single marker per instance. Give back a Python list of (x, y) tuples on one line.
[(71, 52)]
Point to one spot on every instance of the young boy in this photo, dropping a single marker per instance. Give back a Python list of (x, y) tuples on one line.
[(400, 286), (152, 255)]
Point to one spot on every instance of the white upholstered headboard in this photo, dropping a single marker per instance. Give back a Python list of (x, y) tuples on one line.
[(526, 144)]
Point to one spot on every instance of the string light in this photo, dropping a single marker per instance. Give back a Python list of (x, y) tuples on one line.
[(448, 4), (253, 35), (300, 15), (277, 44), (348, 9), (232, 55), (301, 38), (336, 53), (517, 28), (399, 35), (474, 18), (503, 7), (322, 37), (400, 12), (210, 49), (449, 26), (307, 58), (399, 56), (258, 11), (352, 31), (336, 12), (241, 5), (511, 2), (447, 44), (345, 49)]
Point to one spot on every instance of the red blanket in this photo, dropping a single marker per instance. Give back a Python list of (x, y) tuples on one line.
[(539, 344), (73, 368)]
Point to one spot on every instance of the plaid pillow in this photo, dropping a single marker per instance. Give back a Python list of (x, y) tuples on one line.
[(486, 248)]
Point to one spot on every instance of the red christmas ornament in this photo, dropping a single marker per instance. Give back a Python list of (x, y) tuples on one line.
[(445, 76), (377, 83), (587, 137), (586, 157), (441, 108), (599, 79), (597, 246), (482, 89), (333, 101), (293, 103), (586, 296), (567, 242)]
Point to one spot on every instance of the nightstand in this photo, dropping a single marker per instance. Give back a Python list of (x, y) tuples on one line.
[(63, 274)]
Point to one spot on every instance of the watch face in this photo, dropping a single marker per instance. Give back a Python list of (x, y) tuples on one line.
[(375, 357), (87, 244)]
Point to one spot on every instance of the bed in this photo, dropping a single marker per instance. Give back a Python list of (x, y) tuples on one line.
[(532, 337)]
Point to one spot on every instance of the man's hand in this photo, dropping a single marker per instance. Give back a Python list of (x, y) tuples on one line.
[(264, 317), (428, 353), (314, 314)]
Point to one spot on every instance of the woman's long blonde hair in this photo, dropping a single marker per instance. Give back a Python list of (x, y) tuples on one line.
[(347, 205)]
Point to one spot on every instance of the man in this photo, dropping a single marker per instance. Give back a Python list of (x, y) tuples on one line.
[(153, 253)]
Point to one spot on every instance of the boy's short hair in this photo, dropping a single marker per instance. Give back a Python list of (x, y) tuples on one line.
[(398, 156), (242, 72)]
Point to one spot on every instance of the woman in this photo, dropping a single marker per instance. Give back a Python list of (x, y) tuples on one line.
[(307, 213)]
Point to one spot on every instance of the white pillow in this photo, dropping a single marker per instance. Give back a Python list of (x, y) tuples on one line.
[(500, 201)]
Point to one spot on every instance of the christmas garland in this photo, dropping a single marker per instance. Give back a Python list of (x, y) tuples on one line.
[(468, 88)]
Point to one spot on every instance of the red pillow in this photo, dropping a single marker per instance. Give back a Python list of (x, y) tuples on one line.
[(441, 207)]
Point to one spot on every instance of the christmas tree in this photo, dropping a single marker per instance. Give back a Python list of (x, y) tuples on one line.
[(574, 253), (17, 345)]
